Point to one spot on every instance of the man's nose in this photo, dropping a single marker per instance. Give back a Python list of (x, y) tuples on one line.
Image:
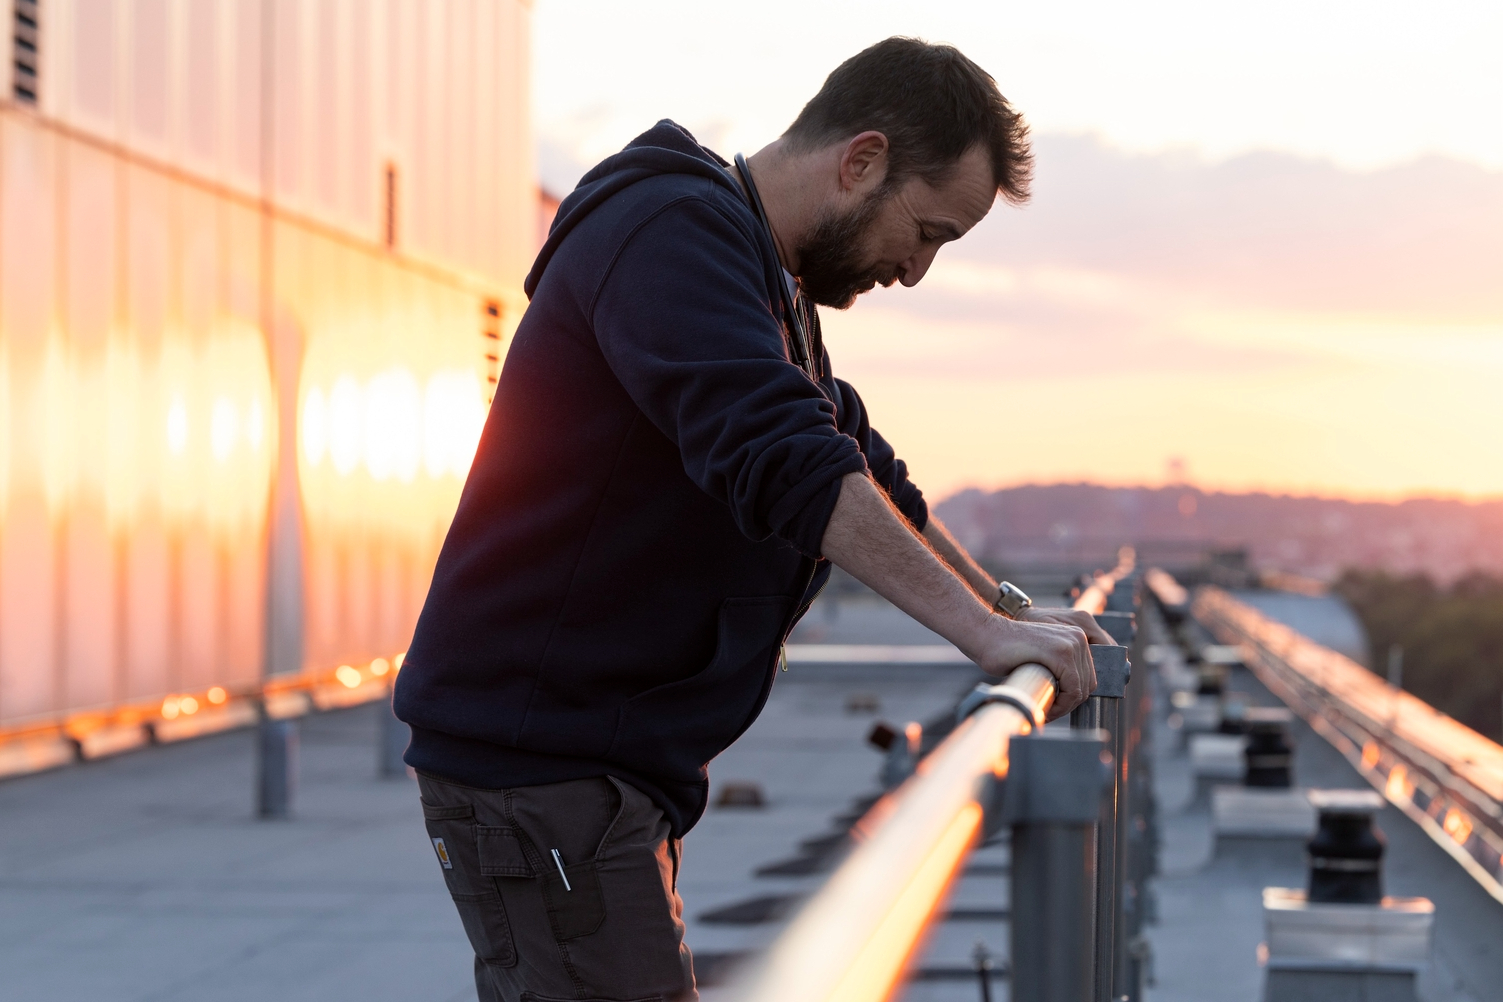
[(914, 269)]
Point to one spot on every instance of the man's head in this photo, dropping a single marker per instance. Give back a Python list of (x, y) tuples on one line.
[(920, 142)]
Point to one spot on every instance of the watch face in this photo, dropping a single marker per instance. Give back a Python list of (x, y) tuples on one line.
[(1012, 600)]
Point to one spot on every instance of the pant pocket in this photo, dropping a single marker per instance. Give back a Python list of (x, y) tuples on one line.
[(576, 908), (485, 923), (454, 835)]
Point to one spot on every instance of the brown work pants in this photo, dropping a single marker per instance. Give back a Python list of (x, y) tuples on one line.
[(609, 927)]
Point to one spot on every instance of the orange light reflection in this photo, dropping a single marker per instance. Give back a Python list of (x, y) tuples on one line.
[(1458, 826), (874, 973)]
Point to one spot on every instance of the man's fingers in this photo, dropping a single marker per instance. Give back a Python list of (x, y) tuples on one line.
[(1077, 679), (1061, 643), (1078, 618), (1093, 631), (1090, 667), (1070, 695), (1095, 634), (1086, 669), (1072, 672)]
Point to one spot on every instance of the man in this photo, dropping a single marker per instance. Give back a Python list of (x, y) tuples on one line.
[(667, 473)]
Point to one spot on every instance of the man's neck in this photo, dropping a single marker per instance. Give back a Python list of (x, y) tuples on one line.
[(778, 176)]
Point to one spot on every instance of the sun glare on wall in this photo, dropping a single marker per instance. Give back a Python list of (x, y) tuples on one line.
[(187, 431), (390, 427), (389, 448)]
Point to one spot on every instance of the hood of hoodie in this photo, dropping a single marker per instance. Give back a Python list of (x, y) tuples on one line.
[(666, 148)]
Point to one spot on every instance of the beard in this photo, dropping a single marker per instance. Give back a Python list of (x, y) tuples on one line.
[(831, 270)]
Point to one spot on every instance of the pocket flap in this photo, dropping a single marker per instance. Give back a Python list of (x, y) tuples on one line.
[(501, 853), (432, 812)]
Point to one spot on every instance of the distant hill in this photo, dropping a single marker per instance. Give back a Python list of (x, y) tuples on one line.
[(1319, 537)]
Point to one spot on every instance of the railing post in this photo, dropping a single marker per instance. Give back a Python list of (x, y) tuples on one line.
[(1140, 833), (282, 649), (1055, 784), (1103, 711), (1133, 801), (391, 740), (276, 767)]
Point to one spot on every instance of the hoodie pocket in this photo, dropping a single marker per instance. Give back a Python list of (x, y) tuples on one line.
[(674, 729)]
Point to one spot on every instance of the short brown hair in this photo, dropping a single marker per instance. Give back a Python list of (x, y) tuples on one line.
[(931, 102)]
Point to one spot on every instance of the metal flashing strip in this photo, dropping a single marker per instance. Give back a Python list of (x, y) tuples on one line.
[(1426, 764), (50, 742)]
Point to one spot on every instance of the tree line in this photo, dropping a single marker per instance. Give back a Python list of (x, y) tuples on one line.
[(1451, 639)]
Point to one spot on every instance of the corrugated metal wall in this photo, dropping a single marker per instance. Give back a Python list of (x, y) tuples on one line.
[(200, 315)]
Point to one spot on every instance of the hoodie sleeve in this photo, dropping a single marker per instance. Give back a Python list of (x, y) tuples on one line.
[(683, 319), (890, 472)]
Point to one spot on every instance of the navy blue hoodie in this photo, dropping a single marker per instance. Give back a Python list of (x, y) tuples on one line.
[(641, 524)]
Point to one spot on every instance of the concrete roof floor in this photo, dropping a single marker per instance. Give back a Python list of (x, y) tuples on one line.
[(1209, 896), (145, 877)]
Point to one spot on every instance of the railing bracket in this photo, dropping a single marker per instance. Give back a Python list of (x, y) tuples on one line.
[(1008, 694)]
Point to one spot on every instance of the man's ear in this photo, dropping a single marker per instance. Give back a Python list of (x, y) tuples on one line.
[(863, 162)]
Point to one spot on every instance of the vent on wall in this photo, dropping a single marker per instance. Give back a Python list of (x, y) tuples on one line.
[(24, 30), (389, 208), (491, 329)]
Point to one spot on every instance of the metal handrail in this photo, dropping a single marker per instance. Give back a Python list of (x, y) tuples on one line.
[(1446, 777), (1171, 595), (1093, 598), (853, 939)]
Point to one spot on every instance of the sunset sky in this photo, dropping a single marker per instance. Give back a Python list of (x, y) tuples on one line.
[(1266, 239)]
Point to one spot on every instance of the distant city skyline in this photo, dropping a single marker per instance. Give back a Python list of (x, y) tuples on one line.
[(1078, 524), (1264, 241)]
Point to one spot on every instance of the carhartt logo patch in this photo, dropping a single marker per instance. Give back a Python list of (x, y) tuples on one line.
[(443, 853)]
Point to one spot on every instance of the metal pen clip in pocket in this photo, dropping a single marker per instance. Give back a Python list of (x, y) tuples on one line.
[(558, 861)]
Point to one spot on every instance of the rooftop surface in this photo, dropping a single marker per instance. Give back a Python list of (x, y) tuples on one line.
[(145, 877), (1205, 942)]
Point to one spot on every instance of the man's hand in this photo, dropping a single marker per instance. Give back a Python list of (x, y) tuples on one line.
[(1063, 648), (1069, 617)]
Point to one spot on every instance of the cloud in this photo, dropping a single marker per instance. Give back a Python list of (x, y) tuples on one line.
[(1172, 263), (1036, 341), (1277, 321), (1265, 230)]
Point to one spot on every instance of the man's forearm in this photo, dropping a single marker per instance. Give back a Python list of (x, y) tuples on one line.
[(868, 538), (949, 548)]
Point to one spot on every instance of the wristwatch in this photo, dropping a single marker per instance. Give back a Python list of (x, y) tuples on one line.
[(1012, 600)]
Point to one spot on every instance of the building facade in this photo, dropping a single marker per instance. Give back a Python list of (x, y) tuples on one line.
[(259, 260)]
